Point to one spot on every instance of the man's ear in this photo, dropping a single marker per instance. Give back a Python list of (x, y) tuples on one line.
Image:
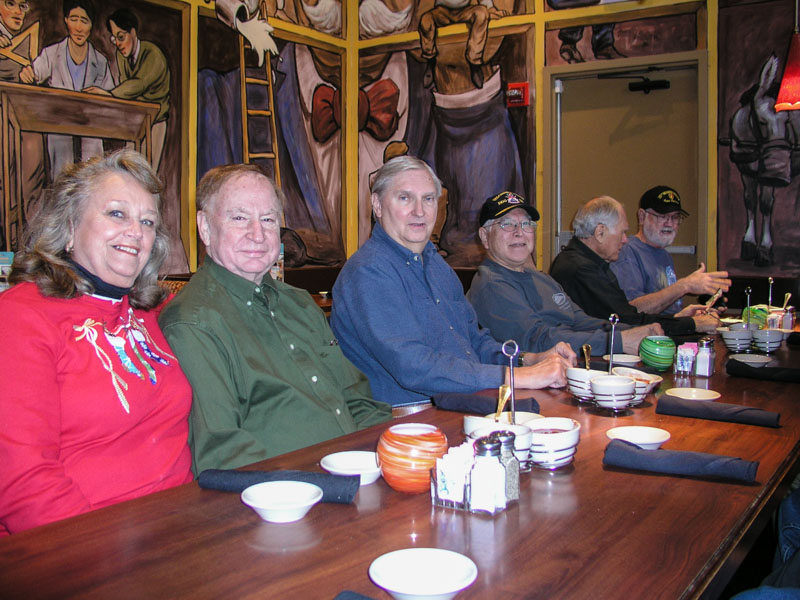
[(203, 227), (640, 215), (484, 235), (600, 232), (376, 205)]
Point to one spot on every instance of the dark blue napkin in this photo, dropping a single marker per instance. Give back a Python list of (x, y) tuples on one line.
[(348, 595), (480, 405), (717, 411), (794, 338), (620, 453), (738, 368), (335, 488)]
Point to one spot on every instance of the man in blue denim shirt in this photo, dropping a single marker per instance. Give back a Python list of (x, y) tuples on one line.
[(399, 310)]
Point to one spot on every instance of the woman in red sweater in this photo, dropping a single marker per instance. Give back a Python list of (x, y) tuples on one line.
[(93, 404)]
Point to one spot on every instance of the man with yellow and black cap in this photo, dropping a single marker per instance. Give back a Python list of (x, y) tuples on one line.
[(645, 269), (516, 301)]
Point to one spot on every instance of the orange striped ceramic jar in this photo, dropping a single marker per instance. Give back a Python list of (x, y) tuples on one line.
[(406, 454)]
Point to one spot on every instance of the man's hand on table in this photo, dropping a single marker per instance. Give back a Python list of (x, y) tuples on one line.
[(548, 372), (561, 349), (632, 337)]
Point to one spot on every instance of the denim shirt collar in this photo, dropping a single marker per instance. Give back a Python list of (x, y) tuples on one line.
[(380, 235)]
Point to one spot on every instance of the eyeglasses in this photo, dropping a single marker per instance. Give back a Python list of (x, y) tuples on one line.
[(676, 218), (527, 225), (12, 4), (120, 37)]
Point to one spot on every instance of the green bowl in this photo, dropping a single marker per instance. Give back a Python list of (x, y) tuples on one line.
[(657, 351)]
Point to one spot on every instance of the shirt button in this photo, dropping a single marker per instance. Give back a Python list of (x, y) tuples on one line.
[(258, 290), (314, 378), (338, 411), (451, 328), (272, 313), (291, 346), (416, 258), (249, 303), (437, 301), (468, 352)]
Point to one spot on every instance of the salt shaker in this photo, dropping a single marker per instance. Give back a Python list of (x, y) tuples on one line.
[(509, 462), (487, 479), (704, 363)]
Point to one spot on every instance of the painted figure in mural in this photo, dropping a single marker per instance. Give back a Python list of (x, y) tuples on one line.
[(71, 64), (448, 12), (762, 150), (12, 16), (143, 74), (602, 43)]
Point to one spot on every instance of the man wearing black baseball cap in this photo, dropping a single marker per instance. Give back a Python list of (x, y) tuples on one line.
[(645, 269), (517, 301)]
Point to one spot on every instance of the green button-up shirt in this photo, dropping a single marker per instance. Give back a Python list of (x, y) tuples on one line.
[(267, 373)]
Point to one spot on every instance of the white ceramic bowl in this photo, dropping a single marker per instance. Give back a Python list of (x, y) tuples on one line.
[(647, 438), (613, 385), (768, 335), (554, 441), (473, 422), (624, 359), (353, 462), (578, 382), (651, 380), (423, 573), (754, 360), (743, 325), (282, 501)]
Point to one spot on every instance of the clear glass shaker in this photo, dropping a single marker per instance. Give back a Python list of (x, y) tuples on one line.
[(487, 479), (706, 357)]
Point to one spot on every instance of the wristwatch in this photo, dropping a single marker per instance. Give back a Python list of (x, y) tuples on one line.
[(521, 359)]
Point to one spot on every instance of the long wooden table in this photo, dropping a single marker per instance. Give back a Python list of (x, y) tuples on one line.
[(583, 532)]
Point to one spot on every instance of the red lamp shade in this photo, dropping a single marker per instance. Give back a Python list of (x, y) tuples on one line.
[(789, 94)]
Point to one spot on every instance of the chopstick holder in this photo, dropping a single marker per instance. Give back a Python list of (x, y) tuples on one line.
[(339, 489), (479, 405), (717, 411), (624, 454)]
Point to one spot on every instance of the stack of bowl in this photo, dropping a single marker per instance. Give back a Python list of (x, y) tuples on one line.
[(657, 351), (614, 392), (736, 340), (554, 442), (767, 340), (579, 384)]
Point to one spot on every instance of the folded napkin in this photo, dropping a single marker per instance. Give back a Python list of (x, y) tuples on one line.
[(335, 488), (348, 595), (480, 405), (794, 338), (717, 411), (738, 368), (620, 453)]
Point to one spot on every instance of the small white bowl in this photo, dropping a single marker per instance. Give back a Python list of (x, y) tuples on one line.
[(647, 438), (578, 382), (693, 394), (353, 462), (423, 573), (624, 359), (614, 385), (473, 422), (639, 376), (282, 501), (754, 360)]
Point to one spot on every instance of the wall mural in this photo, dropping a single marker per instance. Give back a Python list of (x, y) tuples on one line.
[(759, 153), (109, 50)]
